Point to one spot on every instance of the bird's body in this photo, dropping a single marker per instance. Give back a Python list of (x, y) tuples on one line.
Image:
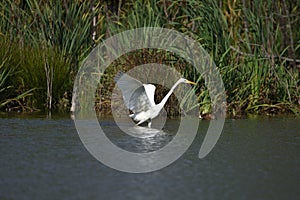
[(139, 98), (147, 115)]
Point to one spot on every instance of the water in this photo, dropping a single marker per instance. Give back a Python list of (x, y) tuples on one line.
[(253, 159)]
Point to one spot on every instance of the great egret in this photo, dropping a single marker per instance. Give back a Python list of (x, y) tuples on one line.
[(139, 97)]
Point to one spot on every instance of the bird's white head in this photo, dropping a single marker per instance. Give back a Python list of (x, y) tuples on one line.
[(183, 80)]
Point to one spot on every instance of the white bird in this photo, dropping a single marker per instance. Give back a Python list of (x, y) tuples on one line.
[(139, 97)]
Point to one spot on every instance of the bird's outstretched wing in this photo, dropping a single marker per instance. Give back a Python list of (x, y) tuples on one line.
[(139, 101), (134, 94)]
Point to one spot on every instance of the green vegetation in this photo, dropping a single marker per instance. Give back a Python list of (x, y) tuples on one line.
[(255, 44), (42, 44)]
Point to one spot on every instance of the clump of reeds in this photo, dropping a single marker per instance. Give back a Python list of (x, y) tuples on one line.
[(49, 39)]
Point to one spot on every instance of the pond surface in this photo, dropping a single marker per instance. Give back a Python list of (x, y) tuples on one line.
[(253, 159)]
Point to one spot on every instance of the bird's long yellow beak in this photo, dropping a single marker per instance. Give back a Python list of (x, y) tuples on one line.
[(191, 82)]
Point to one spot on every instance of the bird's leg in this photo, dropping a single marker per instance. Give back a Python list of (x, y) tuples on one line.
[(149, 123), (140, 122)]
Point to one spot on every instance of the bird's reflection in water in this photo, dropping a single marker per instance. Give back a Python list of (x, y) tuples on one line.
[(143, 139), (143, 132)]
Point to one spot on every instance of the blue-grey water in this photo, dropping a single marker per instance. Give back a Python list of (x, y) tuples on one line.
[(253, 159)]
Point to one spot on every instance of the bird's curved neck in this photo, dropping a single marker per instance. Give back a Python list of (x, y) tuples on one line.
[(165, 99)]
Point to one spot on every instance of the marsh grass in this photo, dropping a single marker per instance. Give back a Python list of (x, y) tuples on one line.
[(255, 45), (50, 39), (12, 95), (261, 76), (48, 71)]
